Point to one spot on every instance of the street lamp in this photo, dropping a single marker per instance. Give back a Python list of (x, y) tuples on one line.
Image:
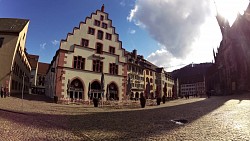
[(23, 89)]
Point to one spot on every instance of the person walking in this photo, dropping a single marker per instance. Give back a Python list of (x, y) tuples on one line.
[(4, 92), (1, 92)]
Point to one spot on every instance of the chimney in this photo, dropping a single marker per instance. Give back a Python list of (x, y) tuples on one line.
[(102, 9), (135, 53)]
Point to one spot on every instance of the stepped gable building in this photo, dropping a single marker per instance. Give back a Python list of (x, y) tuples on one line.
[(13, 56), (89, 63), (231, 70), (192, 79)]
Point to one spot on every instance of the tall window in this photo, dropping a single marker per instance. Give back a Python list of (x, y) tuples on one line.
[(1, 41), (97, 66), (104, 25), (108, 36), (112, 50), (99, 48), (100, 34), (97, 23), (113, 68), (79, 62), (91, 31), (85, 42)]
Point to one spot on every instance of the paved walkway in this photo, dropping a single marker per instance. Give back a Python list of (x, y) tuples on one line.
[(216, 118)]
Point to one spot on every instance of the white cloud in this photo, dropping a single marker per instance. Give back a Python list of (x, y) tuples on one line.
[(55, 42), (122, 3), (43, 45), (173, 23), (186, 31), (131, 31), (132, 13)]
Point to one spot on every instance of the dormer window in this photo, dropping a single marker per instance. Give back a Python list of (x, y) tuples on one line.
[(97, 23), (101, 17), (85, 42), (108, 36), (112, 50), (104, 25), (91, 31)]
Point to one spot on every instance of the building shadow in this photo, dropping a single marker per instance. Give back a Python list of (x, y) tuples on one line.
[(33, 97), (125, 125)]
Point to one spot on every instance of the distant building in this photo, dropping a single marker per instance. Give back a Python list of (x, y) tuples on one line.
[(192, 79), (149, 72), (135, 73), (41, 74), (164, 83), (15, 67), (91, 51), (231, 71), (33, 60)]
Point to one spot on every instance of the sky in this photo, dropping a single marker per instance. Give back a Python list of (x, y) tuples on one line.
[(168, 33)]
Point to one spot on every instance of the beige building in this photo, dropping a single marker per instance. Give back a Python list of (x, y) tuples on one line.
[(33, 60), (149, 79), (135, 73), (170, 85), (41, 74), (164, 83), (13, 57), (89, 63)]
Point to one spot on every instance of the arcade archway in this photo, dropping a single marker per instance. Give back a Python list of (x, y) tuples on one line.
[(76, 89), (96, 91), (113, 92)]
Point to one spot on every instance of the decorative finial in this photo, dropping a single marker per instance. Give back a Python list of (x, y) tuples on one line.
[(102, 9)]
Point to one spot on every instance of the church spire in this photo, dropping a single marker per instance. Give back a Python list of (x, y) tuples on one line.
[(102, 9), (248, 8), (223, 23), (214, 55)]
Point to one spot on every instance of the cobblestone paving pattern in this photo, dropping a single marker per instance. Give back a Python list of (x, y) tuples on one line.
[(217, 118)]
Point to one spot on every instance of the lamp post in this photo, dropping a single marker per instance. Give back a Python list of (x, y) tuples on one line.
[(23, 90)]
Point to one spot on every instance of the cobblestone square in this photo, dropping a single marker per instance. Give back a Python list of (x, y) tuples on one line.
[(216, 118)]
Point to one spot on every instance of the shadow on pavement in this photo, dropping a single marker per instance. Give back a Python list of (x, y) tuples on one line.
[(135, 125), (33, 97)]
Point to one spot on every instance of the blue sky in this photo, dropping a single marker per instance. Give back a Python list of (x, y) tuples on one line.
[(169, 33), (51, 20)]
